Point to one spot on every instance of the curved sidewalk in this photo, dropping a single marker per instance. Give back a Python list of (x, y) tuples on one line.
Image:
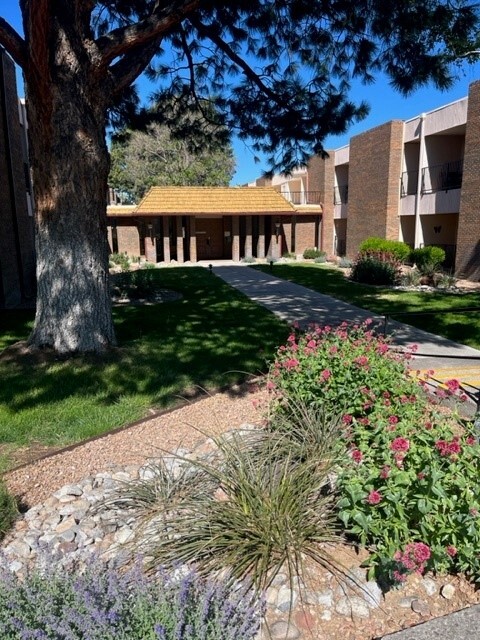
[(292, 302)]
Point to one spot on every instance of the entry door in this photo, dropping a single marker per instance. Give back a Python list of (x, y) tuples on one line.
[(209, 233)]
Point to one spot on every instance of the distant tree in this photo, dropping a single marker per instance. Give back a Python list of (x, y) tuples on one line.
[(280, 74), (144, 159)]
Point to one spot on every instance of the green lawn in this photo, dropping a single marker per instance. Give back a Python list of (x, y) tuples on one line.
[(460, 327), (214, 336)]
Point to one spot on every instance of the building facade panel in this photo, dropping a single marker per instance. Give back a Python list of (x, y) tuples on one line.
[(468, 236), (17, 253), (374, 171)]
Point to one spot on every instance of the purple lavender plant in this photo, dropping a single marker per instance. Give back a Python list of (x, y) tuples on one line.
[(103, 604)]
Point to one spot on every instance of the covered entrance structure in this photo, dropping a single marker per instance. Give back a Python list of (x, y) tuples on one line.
[(213, 223)]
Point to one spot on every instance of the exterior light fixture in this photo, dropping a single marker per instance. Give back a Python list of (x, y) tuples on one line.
[(277, 229)]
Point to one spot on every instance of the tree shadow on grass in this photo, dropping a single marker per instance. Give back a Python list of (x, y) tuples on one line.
[(211, 338)]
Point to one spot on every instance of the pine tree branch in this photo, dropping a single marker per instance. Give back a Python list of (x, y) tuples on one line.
[(162, 20), (13, 43), (124, 72), (212, 34)]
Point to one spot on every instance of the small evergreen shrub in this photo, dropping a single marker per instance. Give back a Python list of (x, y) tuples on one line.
[(135, 285), (311, 254), (376, 267), (8, 510), (344, 263), (428, 259), (102, 604), (411, 278), (400, 250), (121, 260)]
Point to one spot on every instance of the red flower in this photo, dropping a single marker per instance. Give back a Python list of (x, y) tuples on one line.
[(393, 420), (471, 440), (271, 385), (291, 363), (400, 444), (453, 385), (451, 551), (311, 344), (357, 455), (362, 361), (446, 448), (420, 475), (385, 471), (325, 375), (374, 497), (347, 419)]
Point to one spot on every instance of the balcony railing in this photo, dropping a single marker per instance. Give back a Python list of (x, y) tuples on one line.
[(440, 177), (340, 194), (303, 197)]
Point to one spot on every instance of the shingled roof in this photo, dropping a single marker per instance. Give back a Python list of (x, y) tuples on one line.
[(213, 200)]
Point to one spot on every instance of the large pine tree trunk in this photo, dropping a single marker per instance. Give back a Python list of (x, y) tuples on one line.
[(70, 165)]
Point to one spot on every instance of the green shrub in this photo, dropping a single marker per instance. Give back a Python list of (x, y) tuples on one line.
[(413, 478), (343, 370), (409, 481), (344, 263), (320, 259), (121, 260), (311, 254), (135, 285), (103, 604), (376, 267), (8, 510), (428, 259), (288, 255), (400, 250)]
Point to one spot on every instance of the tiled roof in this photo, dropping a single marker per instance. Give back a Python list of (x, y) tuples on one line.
[(219, 200), (120, 209)]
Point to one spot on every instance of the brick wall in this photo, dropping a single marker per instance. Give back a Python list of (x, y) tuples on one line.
[(128, 238), (373, 184), (17, 254), (468, 237), (321, 173), (305, 233)]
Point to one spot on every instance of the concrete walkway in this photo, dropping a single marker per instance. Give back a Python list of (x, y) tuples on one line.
[(292, 302)]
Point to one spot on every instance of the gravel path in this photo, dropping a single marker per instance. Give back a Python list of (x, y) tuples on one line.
[(134, 445)]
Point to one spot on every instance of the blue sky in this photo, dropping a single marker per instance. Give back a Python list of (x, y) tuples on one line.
[(385, 104)]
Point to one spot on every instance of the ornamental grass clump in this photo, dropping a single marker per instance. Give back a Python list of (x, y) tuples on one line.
[(250, 510), (102, 604)]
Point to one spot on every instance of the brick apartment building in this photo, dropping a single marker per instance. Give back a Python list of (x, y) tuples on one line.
[(17, 254), (416, 180)]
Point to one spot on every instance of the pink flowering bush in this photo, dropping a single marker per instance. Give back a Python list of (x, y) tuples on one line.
[(413, 482), (408, 475), (348, 369)]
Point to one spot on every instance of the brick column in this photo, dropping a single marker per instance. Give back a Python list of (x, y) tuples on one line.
[(375, 166), (179, 233), (150, 243), (467, 261), (321, 178), (248, 237), (166, 238), (235, 239), (261, 237), (193, 240)]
